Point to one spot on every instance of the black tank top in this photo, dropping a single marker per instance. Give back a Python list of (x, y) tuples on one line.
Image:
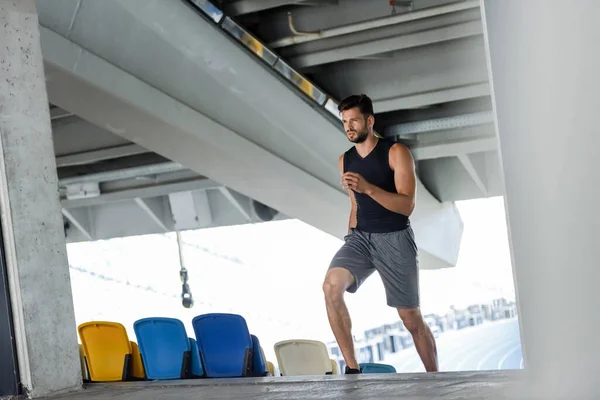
[(375, 168)]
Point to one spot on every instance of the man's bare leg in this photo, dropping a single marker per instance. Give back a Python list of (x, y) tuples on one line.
[(422, 336), (336, 282)]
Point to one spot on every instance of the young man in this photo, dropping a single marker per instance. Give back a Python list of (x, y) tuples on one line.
[(380, 177)]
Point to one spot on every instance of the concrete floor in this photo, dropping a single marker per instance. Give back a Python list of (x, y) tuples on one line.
[(446, 385)]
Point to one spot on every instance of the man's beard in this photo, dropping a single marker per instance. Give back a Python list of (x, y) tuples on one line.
[(360, 136)]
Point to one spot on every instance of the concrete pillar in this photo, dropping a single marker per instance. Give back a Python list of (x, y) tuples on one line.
[(32, 227), (545, 68)]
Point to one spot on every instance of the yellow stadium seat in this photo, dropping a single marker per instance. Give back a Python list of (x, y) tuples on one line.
[(137, 366), (270, 366), (84, 370), (334, 365), (107, 350), (303, 357)]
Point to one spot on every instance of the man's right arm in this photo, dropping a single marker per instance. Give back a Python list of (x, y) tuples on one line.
[(352, 219)]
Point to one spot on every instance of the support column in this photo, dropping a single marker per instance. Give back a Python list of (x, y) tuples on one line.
[(545, 69), (32, 227)]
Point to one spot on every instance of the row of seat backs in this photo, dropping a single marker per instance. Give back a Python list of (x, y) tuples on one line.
[(310, 357), (224, 348)]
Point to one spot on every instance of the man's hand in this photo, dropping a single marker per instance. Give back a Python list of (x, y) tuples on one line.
[(354, 181)]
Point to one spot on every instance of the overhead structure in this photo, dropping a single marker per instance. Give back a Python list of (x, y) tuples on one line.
[(424, 66), (111, 187), (243, 127)]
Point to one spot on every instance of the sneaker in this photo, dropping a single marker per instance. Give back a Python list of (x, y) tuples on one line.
[(350, 371)]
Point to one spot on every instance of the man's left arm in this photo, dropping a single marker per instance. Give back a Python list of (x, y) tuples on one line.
[(402, 202)]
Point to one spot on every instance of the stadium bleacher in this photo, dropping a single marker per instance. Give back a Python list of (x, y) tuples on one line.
[(222, 346)]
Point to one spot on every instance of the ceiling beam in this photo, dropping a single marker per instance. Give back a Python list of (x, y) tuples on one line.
[(454, 71), (58, 113), (125, 173), (235, 199), (376, 23), (394, 43), (93, 156), (80, 220), (152, 207), (432, 97), (242, 7), (453, 149), (472, 171), (407, 129), (142, 192)]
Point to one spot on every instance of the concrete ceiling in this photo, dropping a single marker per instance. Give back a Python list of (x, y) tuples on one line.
[(423, 64)]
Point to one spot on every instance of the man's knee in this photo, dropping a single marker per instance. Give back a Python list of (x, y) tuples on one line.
[(336, 282), (412, 319)]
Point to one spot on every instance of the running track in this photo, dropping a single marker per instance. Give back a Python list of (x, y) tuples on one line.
[(490, 346)]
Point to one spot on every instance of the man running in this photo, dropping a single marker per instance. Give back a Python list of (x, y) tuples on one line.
[(380, 177)]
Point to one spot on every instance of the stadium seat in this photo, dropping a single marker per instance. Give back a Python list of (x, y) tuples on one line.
[(269, 365), (165, 348), (335, 369), (303, 357), (374, 368), (137, 366), (107, 350), (225, 344), (271, 368), (84, 370), (197, 369), (259, 362)]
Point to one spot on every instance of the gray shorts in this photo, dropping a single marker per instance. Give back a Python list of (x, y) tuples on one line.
[(393, 255)]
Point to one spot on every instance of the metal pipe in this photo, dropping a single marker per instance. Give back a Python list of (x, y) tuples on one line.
[(297, 32), (179, 248), (126, 173), (377, 23)]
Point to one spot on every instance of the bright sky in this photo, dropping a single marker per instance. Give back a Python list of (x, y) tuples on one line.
[(271, 273)]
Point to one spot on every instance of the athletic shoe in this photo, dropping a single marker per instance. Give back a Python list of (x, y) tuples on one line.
[(350, 371)]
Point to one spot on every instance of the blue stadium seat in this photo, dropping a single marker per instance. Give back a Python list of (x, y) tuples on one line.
[(225, 345), (166, 349), (197, 369), (374, 368), (259, 364)]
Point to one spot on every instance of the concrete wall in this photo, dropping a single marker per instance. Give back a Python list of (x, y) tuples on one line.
[(544, 67), (31, 218)]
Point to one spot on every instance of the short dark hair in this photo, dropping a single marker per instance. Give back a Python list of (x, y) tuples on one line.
[(362, 101)]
